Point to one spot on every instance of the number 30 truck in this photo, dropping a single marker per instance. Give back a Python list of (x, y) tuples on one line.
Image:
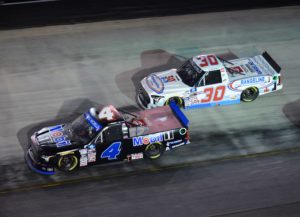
[(208, 80)]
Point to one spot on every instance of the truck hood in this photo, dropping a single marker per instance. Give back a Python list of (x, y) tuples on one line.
[(58, 136), (164, 83)]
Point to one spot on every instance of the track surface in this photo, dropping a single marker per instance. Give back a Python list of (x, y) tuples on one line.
[(257, 187), (49, 74)]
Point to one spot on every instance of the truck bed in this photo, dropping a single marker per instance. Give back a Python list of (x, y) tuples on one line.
[(159, 119), (249, 67)]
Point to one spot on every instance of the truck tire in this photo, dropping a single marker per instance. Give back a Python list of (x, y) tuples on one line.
[(177, 100), (67, 163), (249, 94), (154, 150)]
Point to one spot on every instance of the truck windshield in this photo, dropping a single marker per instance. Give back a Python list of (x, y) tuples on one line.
[(190, 73), (81, 129)]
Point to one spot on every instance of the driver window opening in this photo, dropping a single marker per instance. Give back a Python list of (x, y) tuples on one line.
[(111, 134), (213, 77)]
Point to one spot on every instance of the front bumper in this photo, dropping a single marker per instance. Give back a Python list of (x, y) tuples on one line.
[(37, 166)]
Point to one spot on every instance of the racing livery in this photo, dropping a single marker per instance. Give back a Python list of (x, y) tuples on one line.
[(208, 80), (107, 135)]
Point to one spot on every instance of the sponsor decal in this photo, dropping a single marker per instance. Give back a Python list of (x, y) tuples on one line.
[(153, 138), (149, 139), (58, 136), (155, 83), (92, 122), (137, 156), (244, 68), (175, 142), (167, 79), (253, 80), (56, 128), (91, 153), (169, 135), (83, 158), (175, 146), (254, 67), (194, 100), (236, 69), (264, 65), (233, 96), (266, 89)]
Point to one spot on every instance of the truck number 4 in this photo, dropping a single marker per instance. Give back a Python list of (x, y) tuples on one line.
[(216, 93), (106, 113), (112, 151)]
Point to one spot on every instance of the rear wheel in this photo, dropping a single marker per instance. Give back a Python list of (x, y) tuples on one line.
[(67, 163), (154, 150), (177, 100), (249, 94)]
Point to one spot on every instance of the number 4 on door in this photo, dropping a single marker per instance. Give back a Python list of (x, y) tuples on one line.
[(112, 151)]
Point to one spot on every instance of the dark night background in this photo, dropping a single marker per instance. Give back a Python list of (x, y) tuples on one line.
[(17, 13)]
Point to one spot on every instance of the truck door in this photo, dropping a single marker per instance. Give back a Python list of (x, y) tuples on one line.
[(210, 89), (109, 144)]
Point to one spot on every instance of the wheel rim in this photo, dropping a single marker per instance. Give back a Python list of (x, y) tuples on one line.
[(249, 94), (67, 163), (153, 151), (177, 100)]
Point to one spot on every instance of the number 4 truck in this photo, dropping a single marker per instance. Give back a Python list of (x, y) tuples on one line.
[(104, 135)]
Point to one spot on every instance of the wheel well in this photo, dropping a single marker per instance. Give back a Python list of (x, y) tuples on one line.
[(175, 97)]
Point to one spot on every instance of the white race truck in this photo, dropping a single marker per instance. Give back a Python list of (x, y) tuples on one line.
[(208, 80)]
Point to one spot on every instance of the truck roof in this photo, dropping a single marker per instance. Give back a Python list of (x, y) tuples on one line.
[(208, 62)]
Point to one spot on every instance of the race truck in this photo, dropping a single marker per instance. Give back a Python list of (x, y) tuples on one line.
[(209, 80), (104, 135)]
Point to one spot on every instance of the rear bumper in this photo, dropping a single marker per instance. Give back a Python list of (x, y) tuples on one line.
[(36, 166)]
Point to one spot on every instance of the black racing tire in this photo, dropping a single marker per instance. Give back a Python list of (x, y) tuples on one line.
[(249, 94), (67, 163), (177, 100), (154, 150)]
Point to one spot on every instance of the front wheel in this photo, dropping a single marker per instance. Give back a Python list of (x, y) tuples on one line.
[(249, 94), (154, 150), (177, 100), (67, 163)]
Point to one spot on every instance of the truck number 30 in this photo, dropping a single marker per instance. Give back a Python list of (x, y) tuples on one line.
[(208, 60), (215, 94)]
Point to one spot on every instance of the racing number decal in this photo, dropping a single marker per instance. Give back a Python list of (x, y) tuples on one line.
[(209, 93), (112, 151), (208, 60), (106, 113), (217, 94)]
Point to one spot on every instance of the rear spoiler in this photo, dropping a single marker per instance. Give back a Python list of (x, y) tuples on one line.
[(179, 114), (270, 60)]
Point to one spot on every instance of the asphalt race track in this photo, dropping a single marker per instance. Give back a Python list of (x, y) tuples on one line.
[(259, 187), (50, 74)]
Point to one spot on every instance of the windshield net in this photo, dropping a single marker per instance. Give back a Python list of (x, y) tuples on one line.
[(82, 130), (190, 73)]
